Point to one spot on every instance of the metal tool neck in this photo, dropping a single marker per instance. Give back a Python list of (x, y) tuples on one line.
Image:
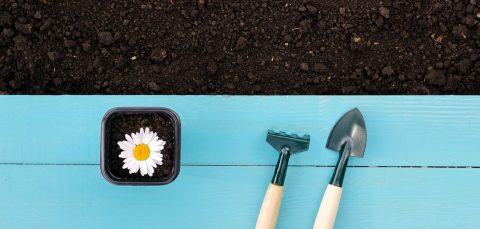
[(337, 178), (281, 168)]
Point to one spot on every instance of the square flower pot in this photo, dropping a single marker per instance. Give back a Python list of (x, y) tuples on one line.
[(120, 121)]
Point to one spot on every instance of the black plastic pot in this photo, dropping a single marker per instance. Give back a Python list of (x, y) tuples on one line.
[(108, 161)]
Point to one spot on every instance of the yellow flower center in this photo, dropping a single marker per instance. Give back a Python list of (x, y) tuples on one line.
[(141, 152)]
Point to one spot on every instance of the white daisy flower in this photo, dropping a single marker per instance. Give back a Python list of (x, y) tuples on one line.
[(142, 151)]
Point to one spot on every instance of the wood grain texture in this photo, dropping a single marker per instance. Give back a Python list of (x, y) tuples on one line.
[(230, 197), (268, 215), (402, 130), (327, 212), (50, 178)]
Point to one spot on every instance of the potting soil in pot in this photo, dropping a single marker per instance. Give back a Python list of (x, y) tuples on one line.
[(131, 123)]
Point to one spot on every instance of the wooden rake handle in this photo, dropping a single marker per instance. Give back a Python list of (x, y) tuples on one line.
[(267, 218)]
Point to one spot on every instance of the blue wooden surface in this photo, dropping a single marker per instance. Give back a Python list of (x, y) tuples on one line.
[(50, 178)]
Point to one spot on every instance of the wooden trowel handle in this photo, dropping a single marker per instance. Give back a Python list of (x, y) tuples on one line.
[(328, 208), (267, 218)]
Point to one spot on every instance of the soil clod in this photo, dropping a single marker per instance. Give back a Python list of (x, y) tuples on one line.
[(158, 55), (241, 43), (212, 68), (435, 77), (384, 12), (304, 67), (153, 86), (387, 71), (23, 28), (105, 38), (320, 68)]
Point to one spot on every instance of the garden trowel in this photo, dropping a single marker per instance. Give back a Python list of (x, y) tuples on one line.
[(348, 137), (286, 145)]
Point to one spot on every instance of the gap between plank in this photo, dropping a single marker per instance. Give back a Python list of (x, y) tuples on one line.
[(226, 165)]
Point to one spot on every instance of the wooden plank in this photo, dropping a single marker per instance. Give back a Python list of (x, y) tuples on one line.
[(48, 196), (224, 130)]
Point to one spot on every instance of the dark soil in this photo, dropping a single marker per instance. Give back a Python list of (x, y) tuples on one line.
[(130, 123), (239, 47)]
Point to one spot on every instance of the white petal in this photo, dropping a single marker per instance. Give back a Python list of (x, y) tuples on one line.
[(121, 145), (148, 138), (128, 164), (150, 170), (128, 159), (136, 138), (124, 145), (156, 148), (132, 163), (158, 162), (129, 139), (147, 130), (133, 138), (155, 144), (162, 143), (126, 154), (125, 166), (156, 156), (129, 144), (143, 168), (151, 163), (154, 139), (145, 137), (152, 145), (142, 132), (157, 152), (135, 167)]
